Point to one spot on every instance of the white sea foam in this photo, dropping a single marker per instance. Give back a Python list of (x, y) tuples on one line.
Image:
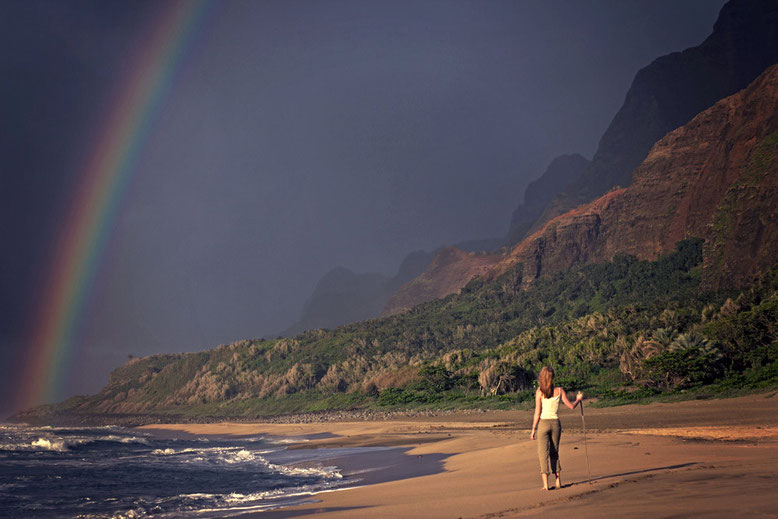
[(242, 456), (123, 439), (236, 498), (129, 514), (213, 454), (252, 455), (216, 505), (198, 495), (174, 452), (50, 444), (164, 452), (325, 472), (238, 455), (282, 441), (41, 438)]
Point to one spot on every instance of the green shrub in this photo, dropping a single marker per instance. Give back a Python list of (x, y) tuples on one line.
[(434, 378), (684, 368)]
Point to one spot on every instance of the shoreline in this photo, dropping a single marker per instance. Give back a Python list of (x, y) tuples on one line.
[(711, 458)]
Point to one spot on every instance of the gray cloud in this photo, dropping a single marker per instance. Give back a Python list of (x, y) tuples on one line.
[(300, 136)]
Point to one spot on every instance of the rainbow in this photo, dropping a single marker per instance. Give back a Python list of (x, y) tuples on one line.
[(87, 227)]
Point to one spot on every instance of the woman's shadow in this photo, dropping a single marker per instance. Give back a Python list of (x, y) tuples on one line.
[(632, 473)]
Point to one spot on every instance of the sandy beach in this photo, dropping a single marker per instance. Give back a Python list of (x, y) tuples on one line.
[(701, 458)]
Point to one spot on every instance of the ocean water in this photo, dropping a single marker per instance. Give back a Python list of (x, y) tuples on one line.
[(114, 472)]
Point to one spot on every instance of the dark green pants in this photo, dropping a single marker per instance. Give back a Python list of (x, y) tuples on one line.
[(549, 432)]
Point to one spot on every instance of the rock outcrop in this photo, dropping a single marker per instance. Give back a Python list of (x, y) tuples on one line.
[(669, 92), (715, 178), (450, 270)]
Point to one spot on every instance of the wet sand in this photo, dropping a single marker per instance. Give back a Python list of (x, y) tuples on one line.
[(710, 458)]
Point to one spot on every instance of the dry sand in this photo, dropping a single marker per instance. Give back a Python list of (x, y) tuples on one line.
[(711, 458)]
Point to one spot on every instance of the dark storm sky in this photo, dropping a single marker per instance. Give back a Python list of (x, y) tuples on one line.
[(299, 136)]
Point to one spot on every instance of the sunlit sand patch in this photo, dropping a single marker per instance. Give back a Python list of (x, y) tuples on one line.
[(713, 432)]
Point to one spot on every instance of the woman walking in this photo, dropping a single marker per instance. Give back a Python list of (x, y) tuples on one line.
[(546, 421)]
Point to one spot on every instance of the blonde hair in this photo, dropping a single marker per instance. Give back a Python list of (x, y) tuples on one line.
[(546, 381)]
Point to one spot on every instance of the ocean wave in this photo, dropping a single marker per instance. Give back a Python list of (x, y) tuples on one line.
[(16, 438), (258, 474), (123, 439), (216, 505), (164, 452), (197, 495), (242, 439), (242, 456), (217, 455), (5, 487), (205, 505), (236, 498), (324, 472), (283, 441), (239, 455), (59, 444), (129, 514), (49, 445)]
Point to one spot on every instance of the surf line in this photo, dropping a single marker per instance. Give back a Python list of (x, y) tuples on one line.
[(86, 229)]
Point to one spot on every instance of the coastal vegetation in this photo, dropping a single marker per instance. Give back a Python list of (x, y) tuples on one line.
[(622, 331)]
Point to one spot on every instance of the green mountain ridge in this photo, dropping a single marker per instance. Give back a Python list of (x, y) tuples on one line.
[(621, 330)]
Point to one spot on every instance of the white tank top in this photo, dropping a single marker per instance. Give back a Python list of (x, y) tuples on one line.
[(549, 408)]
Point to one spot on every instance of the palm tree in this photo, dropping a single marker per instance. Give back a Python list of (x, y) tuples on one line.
[(663, 336), (689, 340)]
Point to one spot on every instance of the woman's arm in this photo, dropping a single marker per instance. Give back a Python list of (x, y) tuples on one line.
[(578, 399), (536, 418)]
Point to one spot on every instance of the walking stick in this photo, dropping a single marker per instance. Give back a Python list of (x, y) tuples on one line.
[(586, 448)]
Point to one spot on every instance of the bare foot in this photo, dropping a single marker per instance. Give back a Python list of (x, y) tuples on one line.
[(558, 483)]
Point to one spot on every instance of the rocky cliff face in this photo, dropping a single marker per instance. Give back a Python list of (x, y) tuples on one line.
[(664, 95), (670, 91), (714, 178), (562, 171), (450, 270)]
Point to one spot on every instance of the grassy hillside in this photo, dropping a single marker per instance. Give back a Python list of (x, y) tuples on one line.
[(622, 330)]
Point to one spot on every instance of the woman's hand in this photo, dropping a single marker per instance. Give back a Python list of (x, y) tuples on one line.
[(532, 435)]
